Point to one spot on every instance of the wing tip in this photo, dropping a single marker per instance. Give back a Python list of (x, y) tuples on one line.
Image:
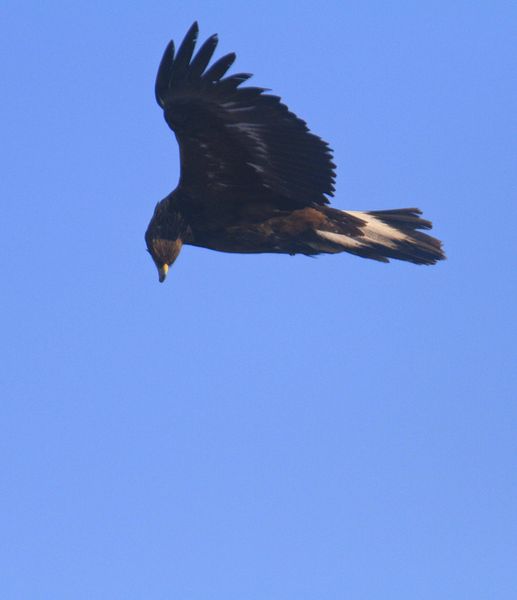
[(193, 31), (164, 73)]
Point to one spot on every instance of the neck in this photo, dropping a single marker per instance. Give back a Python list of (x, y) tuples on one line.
[(168, 222)]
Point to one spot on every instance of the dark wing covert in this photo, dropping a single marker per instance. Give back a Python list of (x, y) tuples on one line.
[(237, 140)]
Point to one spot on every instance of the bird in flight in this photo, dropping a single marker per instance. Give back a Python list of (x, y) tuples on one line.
[(254, 178)]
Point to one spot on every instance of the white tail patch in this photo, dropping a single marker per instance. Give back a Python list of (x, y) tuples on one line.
[(339, 238), (374, 231), (377, 231), (379, 235)]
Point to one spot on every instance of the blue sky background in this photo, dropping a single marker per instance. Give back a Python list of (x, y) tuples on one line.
[(259, 427)]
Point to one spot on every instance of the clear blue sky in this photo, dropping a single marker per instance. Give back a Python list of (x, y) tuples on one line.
[(258, 427)]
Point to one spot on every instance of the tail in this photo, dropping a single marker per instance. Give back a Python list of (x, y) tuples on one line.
[(381, 235)]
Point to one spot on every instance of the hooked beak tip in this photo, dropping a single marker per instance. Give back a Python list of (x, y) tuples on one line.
[(162, 273)]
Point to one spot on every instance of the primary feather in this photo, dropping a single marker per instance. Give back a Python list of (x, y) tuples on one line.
[(242, 137)]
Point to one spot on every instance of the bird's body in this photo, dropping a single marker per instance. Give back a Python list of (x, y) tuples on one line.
[(254, 179)]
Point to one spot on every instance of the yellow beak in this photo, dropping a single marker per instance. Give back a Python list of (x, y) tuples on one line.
[(162, 272)]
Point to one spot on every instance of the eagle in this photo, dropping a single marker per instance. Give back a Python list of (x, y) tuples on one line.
[(254, 179)]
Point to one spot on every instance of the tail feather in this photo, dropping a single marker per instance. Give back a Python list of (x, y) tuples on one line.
[(383, 234)]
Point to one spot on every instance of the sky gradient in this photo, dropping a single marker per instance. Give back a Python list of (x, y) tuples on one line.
[(258, 427)]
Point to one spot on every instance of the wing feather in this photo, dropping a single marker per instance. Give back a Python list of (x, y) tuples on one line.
[(180, 65), (238, 140), (163, 77), (219, 68), (202, 58)]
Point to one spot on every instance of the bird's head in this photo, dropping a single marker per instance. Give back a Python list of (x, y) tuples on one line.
[(164, 253), (164, 237)]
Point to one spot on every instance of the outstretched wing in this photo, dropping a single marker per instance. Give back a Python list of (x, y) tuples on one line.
[(237, 141)]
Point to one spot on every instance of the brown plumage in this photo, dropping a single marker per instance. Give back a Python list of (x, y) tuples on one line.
[(254, 179)]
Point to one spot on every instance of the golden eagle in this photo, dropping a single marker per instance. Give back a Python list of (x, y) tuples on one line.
[(254, 178)]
